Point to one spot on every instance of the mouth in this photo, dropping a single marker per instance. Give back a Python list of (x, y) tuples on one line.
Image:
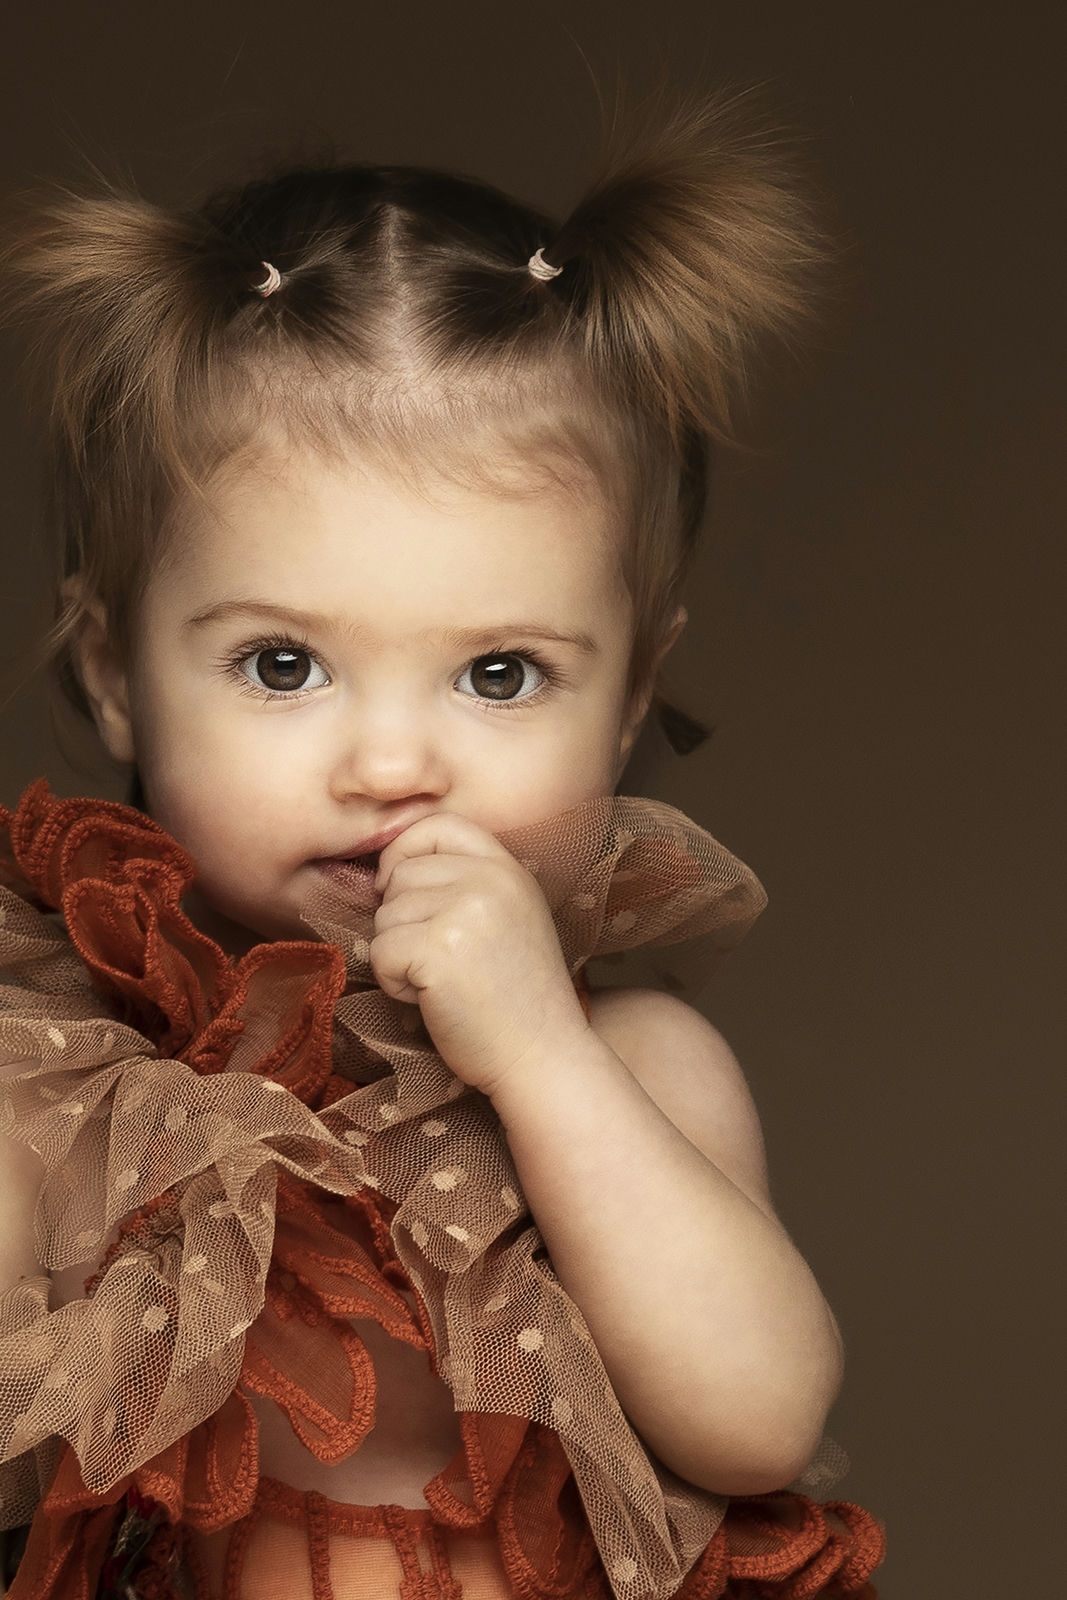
[(365, 864), (356, 870)]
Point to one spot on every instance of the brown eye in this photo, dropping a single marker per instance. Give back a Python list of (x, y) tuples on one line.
[(502, 677), (283, 669)]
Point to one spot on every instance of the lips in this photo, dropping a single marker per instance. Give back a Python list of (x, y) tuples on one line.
[(366, 858), (355, 870), (367, 851)]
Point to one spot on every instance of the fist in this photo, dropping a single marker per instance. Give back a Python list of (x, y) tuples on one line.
[(464, 933)]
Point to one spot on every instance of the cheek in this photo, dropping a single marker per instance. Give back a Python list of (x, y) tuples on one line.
[(579, 766), (206, 786)]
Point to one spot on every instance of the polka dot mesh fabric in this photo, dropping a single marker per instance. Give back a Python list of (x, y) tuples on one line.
[(188, 1109)]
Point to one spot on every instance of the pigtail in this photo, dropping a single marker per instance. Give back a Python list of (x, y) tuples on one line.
[(122, 302), (122, 298), (694, 246)]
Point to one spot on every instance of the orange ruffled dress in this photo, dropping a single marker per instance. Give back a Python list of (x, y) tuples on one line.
[(262, 1154)]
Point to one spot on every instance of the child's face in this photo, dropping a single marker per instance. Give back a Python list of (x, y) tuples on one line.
[(316, 665)]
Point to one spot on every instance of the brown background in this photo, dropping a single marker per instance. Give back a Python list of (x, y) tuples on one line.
[(877, 623)]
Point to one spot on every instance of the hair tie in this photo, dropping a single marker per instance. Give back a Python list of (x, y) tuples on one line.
[(271, 283), (541, 269)]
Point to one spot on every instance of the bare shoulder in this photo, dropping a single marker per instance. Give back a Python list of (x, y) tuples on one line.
[(685, 1065)]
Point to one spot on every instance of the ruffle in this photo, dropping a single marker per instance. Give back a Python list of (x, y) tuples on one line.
[(779, 1547), (166, 1126), (508, 1472), (24, 1478)]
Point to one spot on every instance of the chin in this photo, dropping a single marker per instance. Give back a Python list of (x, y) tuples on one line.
[(238, 926)]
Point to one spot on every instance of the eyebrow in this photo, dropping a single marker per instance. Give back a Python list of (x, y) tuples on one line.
[(458, 638)]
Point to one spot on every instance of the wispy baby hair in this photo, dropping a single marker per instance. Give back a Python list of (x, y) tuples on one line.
[(406, 319)]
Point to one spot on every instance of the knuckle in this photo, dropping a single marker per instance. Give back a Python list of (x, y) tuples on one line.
[(450, 937)]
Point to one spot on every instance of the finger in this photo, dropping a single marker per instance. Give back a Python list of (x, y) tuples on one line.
[(443, 833), (392, 956), (424, 872), (413, 905)]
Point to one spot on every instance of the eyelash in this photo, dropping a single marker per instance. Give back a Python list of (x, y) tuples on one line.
[(552, 677), (232, 664)]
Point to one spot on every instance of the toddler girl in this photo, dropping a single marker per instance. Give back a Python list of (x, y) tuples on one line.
[(352, 1247)]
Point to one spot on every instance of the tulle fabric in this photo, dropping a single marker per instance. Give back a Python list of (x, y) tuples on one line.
[(208, 1140)]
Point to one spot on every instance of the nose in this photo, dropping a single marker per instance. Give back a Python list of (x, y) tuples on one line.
[(391, 751)]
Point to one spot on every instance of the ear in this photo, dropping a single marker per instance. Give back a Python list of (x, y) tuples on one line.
[(102, 675), (641, 701)]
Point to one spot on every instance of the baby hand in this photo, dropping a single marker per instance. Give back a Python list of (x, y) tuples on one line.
[(465, 933)]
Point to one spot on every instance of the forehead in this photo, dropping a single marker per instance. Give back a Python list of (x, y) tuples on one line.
[(494, 530)]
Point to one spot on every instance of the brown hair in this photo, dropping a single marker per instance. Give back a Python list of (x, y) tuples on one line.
[(407, 316)]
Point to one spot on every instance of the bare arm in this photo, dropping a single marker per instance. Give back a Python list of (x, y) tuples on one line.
[(640, 1154), (642, 1159)]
